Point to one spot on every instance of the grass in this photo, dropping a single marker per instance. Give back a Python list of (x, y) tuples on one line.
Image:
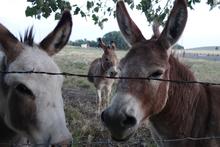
[(205, 71), (200, 52), (206, 52), (80, 96), (77, 60)]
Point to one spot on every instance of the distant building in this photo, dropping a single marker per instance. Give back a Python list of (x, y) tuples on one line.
[(84, 45)]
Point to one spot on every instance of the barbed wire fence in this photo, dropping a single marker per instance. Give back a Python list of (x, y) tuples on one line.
[(109, 143), (109, 77)]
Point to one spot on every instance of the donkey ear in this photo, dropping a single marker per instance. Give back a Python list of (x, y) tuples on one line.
[(175, 24), (9, 44), (101, 44), (127, 26), (113, 45), (59, 37)]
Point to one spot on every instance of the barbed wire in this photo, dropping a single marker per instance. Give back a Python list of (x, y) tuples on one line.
[(109, 77), (113, 143)]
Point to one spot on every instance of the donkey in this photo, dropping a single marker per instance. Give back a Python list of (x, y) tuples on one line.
[(173, 110), (31, 105), (104, 66)]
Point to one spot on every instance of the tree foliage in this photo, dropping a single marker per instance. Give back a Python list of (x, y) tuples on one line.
[(178, 47), (107, 38), (100, 10), (117, 38)]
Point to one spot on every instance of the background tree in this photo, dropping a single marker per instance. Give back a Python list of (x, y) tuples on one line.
[(107, 38), (178, 47), (100, 10), (117, 38)]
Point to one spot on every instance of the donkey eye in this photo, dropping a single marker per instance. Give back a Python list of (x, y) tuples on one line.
[(23, 89), (156, 74)]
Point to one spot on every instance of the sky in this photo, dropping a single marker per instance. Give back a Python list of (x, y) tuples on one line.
[(202, 28)]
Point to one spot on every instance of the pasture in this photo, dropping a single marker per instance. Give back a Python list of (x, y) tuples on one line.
[(204, 52), (80, 97)]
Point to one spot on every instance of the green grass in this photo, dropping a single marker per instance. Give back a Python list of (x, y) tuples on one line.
[(200, 52), (205, 71), (206, 52), (80, 95), (77, 60)]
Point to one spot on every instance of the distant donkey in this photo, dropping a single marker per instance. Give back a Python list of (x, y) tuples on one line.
[(31, 105), (104, 66)]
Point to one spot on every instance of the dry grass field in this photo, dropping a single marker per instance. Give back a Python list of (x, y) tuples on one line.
[(80, 97)]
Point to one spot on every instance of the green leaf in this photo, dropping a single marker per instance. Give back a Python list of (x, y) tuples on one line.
[(132, 6), (99, 4), (76, 11), (190, 4), (89, 5), (57, 16), (82, 14), (53, 5), (95, 18), (39, 2), (100, 24), (109, 9), (29, 11), (139, 7), (96, 9), (104, 20), (129, 1), (31, 1)]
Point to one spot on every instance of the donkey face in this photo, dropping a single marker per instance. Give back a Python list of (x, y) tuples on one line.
[(137, 100), (33, 104), (109, 59)]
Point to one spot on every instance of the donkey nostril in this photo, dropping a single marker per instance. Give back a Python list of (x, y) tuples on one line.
[(129, 121), (102, 116), (113, 74)]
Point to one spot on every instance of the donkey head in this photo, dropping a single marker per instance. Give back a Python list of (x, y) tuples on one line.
[(109, 59), (137, 100), (33, 104)]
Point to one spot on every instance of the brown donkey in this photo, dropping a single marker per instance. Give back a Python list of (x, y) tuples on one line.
[(174, 110), (104, 66), (31, 105)]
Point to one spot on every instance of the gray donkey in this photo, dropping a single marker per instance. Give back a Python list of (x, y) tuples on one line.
[(104, 66)]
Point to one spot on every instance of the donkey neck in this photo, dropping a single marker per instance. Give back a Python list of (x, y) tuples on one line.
[(102, 68), (179, 116)]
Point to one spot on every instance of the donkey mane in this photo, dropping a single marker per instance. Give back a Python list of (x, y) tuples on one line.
[(187, 101), (177, 100), (28, 37), (180, 72), (183, 72)]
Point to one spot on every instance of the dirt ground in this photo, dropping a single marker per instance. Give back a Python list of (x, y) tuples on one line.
[(86, 126)]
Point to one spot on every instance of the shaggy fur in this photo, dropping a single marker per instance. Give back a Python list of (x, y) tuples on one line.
[(174, 110), (31, 105)]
